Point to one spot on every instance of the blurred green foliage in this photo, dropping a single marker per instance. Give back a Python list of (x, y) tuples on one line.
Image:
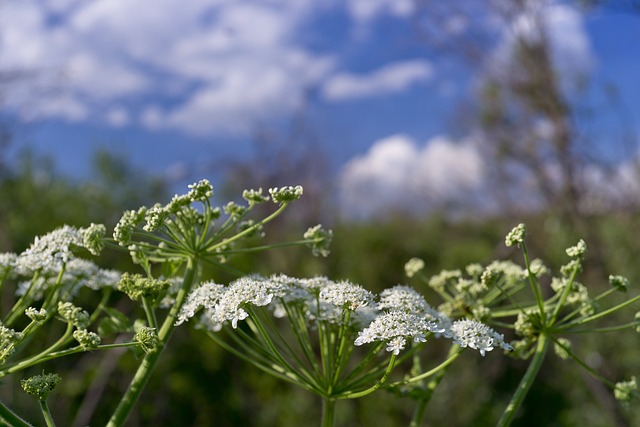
[(198, 384)]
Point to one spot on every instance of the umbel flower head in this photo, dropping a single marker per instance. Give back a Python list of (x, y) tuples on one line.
[(40, 386)]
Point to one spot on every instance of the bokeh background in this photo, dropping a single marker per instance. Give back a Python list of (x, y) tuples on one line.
[(417, 128)]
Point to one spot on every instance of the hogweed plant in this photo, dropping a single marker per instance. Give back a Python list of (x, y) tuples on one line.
[(543, 317), (169, 243), (334, 339)]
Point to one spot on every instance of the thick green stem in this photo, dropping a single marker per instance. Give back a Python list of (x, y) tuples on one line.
[(145, 369), (328, 412), (526, 381), (48, 419)]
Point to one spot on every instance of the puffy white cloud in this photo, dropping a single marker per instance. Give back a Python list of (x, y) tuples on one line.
[(397, 174), (391, 78), (222, 65)]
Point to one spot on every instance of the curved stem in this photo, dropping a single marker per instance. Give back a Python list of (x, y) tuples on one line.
[(9, 418), (526, 381)]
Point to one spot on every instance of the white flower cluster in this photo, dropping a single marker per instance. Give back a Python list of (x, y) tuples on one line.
[(49, 252), (471, 333), (394, 327), (399, 314)]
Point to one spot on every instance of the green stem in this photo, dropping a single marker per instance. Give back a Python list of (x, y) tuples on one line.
[(535, 286), (145, 369), (526, 381), (328, 411), (46, 414), (392, 362), (9, 418), (430, 388), (453, 355)]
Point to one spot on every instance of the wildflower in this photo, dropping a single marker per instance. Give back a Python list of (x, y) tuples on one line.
[(561, 348), (439, 281), (285, 194), (394, 328), (321, 240), (147, 337), (8, 340), (516, 236), (74, 315), (413, 266), (254, 196), (568, 269), (40, 385), (200, 191), (177, 203), (136, 286), (205, 295), (251, 290), (619, 282), (345, 294), (474, 270), (235, 210), (50, 252), (625, 390), (471, 333), (87, 340), (123, 230), (155, 217), (36, 315), (537, 268), (7, 260), (578, 250), (403, 298), (93, 238)]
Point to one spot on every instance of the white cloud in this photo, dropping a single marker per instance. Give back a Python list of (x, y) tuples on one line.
[(366, 10), (117, 116), (397, 174), (391, 78), (224, 65)]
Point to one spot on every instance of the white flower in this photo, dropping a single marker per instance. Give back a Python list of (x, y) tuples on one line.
[(346, 295), (205, 295), (394, 327), (251, 290), (471, 333), (49, 252)]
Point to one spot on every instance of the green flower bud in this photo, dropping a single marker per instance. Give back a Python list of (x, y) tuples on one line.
[(88, 340), (561, 348), (136, 286), (93, 238), (74, 315), (321, 240), (147, 337), (625, 390), (40, 385), (619, 282)]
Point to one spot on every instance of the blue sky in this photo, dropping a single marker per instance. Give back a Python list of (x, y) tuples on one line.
[(178, 85)]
